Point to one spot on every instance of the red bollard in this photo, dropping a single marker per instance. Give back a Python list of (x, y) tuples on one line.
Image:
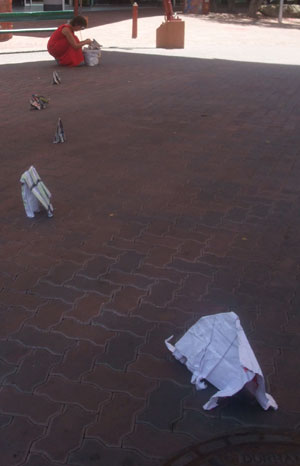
[(5, 7), (75, 6), (134, 20), (205, 7)]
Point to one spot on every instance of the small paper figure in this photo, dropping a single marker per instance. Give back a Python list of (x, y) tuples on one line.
[(35, 194), (60, 134), (94, 45), (56, 78), (216, 349), (38, 102)]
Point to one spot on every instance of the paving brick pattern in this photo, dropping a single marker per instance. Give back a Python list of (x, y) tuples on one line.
[(176, 195)]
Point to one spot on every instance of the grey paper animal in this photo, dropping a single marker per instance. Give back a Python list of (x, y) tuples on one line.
[(59, 134), (35, 194), (95, 45), (56, 78)]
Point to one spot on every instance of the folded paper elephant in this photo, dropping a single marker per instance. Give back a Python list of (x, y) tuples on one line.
[(216, 350), (35, 194)]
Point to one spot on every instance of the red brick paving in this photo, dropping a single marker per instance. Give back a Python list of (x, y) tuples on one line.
[(161, 216)]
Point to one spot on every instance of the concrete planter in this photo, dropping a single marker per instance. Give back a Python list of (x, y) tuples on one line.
[(5, 7), (289, 11)]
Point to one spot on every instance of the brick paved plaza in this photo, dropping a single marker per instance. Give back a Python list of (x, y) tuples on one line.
[(176, 196)]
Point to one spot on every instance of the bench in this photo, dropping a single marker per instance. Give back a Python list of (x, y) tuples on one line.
[(33, 16)]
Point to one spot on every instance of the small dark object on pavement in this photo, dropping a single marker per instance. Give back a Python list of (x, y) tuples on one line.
[(38, 102), (56, 78)]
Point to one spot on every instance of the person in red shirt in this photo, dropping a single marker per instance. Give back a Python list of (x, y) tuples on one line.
[(64, 46)]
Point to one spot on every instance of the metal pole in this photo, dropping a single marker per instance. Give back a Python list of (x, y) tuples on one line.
[(280, 11), (134, 20)]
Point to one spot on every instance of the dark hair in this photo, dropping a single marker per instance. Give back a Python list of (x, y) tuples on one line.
[(79, 21)]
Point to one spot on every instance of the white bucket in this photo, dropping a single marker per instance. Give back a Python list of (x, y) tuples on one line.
[(91, 57)]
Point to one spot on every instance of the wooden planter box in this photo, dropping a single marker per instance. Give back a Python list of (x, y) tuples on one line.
[(170, 35)]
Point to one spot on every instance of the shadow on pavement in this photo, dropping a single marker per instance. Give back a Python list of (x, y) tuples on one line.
[(244, 20)]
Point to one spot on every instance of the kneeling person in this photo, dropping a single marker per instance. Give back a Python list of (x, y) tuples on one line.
[(64, 46)]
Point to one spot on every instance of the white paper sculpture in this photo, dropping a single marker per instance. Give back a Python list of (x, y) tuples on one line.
[(216, 349), (35, 194)]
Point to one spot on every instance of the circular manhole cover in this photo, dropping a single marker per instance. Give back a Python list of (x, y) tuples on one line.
[(243, 449)]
